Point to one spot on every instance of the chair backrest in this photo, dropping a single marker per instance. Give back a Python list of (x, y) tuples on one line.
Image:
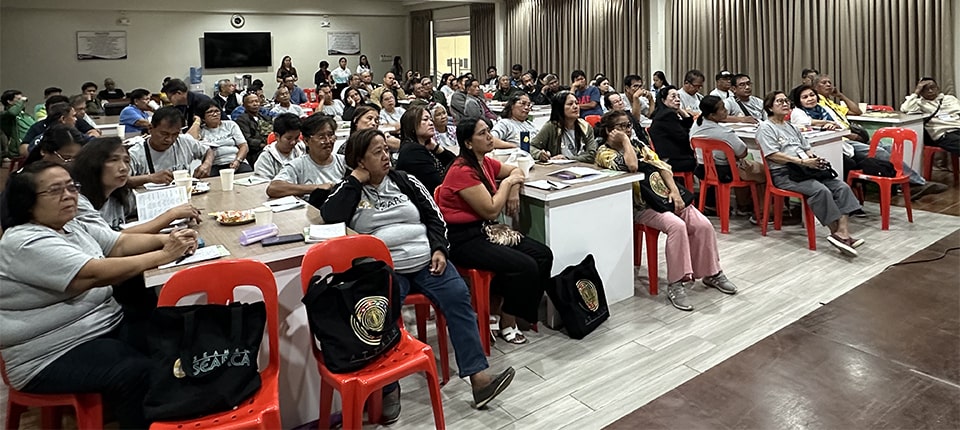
[(707, 147), (339, 254), (272, 137), (218, 280), (766, 170), (649, 139), (899, 136), (592, 120)]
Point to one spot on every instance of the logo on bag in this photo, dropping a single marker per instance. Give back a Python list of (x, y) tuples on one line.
[(588, 292), (658, 186), (370, 315), (210, 362)]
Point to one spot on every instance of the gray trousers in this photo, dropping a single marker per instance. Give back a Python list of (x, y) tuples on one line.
[(829, 199)]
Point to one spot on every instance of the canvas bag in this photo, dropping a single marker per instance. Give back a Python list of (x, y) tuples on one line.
[(655, 192), (577, 294), (354, 315), (207, 359)]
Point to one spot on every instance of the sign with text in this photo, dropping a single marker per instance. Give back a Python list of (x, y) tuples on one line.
[(101, 45), (343, 43)]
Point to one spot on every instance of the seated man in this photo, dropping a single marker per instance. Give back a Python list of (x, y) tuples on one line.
[(255, 126), (15, 121), (110, 92), (505, 90), (638, 100), (492, 78), (824, 87), (93, 106), (743, 106), (84, 124), (389, 81), (515, 72), (297, 96), (724, 81), (366, 85), (588, 96), (528, 83), (551, 86), (183, 100), (942, 114), (690, 91), (40, 110), (135, 117), (226, 97), (287, 148), (807, 75), (266, 106), (284, 105), (329, 106), (436, 96), (166, 150)]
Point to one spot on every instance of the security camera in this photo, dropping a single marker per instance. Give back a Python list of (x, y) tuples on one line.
[(237, 20)]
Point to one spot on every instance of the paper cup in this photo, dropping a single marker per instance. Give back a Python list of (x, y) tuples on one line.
[(181, 174), (263, 215), (226, 179), (525, 164), (121, 131), (186, 183)]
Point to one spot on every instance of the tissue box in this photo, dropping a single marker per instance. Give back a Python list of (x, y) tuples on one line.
[(258, 233)]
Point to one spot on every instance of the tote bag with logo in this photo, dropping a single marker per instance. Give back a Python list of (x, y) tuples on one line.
[(577, 293)]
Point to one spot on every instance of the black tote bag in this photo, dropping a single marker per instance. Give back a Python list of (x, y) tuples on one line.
[(206, 357), (655, 192), (577, 293), (354, 315)]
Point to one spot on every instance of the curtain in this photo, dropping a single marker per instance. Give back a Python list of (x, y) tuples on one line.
[(421, 42), (875, 50), (596, 36), (483, 38)]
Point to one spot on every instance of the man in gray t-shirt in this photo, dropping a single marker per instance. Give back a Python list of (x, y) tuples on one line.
[(166, 150), (304, 175)]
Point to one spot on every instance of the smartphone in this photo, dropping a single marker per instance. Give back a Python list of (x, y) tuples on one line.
[(280, 240)]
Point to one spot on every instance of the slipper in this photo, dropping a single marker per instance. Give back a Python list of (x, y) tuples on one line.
[(494, 327), (513, 335)]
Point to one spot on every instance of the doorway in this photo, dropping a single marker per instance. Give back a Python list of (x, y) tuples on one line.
[(453, 54)]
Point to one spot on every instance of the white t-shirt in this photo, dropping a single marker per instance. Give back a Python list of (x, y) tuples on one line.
[(177, 157), (391, 118), (509, 129), (294, 109), (340, 76), (690, 102), (754, 108), (224, 140), (271, 161)]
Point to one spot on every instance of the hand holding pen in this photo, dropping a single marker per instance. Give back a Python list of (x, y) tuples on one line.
[(180, 244)]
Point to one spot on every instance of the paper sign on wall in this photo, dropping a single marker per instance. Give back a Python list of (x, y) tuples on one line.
[(343, 43), (101, 45)]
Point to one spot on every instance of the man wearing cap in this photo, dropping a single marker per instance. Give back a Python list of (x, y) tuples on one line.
[(724, 82)]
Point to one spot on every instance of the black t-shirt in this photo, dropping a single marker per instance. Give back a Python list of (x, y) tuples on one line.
[(116, 94)]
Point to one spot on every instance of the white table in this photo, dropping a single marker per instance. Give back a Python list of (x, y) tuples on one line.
[(873, 121), (826, 144), (589, 218)]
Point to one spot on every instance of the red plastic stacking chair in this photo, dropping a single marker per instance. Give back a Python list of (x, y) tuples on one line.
[(712, 179), (311, 94), (899, 135), (408, 357), (687, 177), (421, 305), (652, 236), (271, 138), (479, 281), (218, 280), (592, 120), (928, 153), (88, 407), (778, 195)]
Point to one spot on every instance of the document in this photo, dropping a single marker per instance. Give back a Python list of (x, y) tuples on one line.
[(212, 252), (321, 232), (152, 203), (285, 204)]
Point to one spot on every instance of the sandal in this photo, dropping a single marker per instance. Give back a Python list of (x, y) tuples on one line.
[(513, 335), (494, 327)]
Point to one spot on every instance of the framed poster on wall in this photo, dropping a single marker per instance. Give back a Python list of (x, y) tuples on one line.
[(343, 43), (101, 45)]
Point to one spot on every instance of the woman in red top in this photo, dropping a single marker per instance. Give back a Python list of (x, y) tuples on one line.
[(470, 202)]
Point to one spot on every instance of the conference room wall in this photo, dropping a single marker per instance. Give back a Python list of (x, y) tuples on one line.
[(39, 44)]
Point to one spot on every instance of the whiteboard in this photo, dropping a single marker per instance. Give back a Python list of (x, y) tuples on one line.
[(343, 43), (101, 45)]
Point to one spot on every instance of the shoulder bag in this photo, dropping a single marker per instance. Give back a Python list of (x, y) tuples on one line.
[(655, 192), (577, 293)]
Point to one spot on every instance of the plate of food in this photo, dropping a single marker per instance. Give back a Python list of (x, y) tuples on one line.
[(234, 217), (200, 187)]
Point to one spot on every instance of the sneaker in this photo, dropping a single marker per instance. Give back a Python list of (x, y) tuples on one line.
[(859, 213), (391, 407), (484, 395), (720, 282), (737, 212), (678, 296), (753, 220), (842, 245), (855, 243), (929, 188)]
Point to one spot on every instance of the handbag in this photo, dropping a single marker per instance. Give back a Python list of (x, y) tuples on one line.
[(655, 192), (207, 359), (354, 314), (799, 173), (501, 234), (577, 294)]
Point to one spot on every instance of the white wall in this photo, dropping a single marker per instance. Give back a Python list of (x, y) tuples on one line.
[(39, 39)]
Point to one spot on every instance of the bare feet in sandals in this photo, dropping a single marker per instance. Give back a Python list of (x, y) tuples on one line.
[(513, 335)]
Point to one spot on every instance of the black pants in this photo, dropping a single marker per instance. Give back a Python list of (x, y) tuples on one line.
[(242, 168), (109, 365), (682, 164), (522, 271), (949, 142)]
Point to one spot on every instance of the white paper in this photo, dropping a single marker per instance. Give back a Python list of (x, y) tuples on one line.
[(150, 204), (283, 201), (320, 232), (251, 180), (546, 185), (560, 161), (138, 222), (203, 254)]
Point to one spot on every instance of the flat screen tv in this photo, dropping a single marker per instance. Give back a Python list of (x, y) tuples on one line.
[(236, 50)]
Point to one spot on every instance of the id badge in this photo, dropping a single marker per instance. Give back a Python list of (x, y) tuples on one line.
[(945, 117)]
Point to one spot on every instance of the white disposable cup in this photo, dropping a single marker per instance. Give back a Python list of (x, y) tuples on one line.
[(181, 174), (263, 215), (121, 130), (863, 107), (525, 163), (226, 179), (186, 183)]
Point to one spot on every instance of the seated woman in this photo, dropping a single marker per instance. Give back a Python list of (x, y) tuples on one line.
[(445, 134), (831, 199), (515, 120), (368, 117), (61, 331), (712, 112), (565, 136), (320, 168), (223, 136), (101, 169), (288, 147), (420, 155), (351, 101), (615, 101), (134, 117), (390, 113), (469, 200), (603, 85), (691, 242), (59, 144), (393, 206), (670, 131)]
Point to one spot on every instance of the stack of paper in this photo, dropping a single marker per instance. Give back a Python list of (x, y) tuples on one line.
[(285, 204), (203, 254), (319, 233), (150, 204)]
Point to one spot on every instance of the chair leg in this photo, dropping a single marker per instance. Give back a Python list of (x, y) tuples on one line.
[(777, 212), (89, 414), (652, 260), (637, 245), (766, 212), (436, 401), (723, 207), (956, 170), (13, 415), (326, 404), (885, 206), (423, 313), (51, 417), (906, 201), (811, 225), (702, 203), (754, 189), (375, 406), (352, 408)]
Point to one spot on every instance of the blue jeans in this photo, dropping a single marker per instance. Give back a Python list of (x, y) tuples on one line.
[(452, 297), (861, 150)]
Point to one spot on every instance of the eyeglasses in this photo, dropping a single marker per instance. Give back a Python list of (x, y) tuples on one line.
[(785, 102), (58, 190), (326, 136), (213, 112), (623, 126), (65, 160), (524, 104)]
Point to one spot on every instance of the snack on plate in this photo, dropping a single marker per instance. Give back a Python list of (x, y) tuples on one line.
[(234, 217)]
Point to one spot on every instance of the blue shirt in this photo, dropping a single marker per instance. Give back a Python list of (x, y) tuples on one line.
[(590, 94), (297, 96), (239, 111), (129, 117)]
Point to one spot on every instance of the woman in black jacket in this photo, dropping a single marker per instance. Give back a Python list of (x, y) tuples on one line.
[(670, 131), (419, 154)]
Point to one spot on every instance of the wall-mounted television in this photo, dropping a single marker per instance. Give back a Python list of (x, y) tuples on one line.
[(236, 50)]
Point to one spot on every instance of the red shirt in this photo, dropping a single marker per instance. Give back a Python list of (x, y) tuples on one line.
[(459, 177)]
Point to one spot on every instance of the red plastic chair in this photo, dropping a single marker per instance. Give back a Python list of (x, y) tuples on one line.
[(271, 138), (879, 108), (592, 120), (899, 135), (928, 153), (778, 195), (712, 179), (479, 281), (687, 177), (88, 407), (408, 357), (311, 94), (311, 105), (218, 280), (652, 236)]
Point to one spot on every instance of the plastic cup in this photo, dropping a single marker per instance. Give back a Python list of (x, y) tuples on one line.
[(226, 179), (181, 174), (121, 130), (525, 163), (263, 215), (186, 183)]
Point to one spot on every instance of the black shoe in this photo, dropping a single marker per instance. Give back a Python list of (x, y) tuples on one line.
[(929, 188), (391, 407), (859, 213), (485, 394)]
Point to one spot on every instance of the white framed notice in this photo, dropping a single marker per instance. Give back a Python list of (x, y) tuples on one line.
[(343, 43), (101, 45)]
